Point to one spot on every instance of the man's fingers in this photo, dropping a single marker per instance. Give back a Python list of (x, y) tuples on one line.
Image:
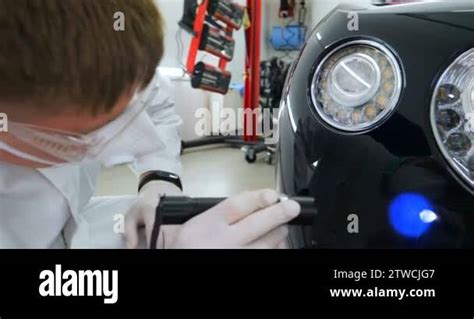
[(238, 207), (283, 244), (169, 234), (131, 229), (272, 240), (264, 221)]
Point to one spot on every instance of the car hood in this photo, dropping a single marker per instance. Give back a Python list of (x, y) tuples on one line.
[(455, 12)]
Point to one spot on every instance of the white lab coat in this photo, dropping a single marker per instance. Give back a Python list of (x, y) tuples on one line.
[(55, 207)]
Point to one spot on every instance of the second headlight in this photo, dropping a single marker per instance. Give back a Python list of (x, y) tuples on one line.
[(356, 86), (452, 115)]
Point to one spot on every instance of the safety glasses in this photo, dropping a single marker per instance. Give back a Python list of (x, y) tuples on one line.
[(72, 147)]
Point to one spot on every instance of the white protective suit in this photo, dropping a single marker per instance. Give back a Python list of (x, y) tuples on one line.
[(55, 207)]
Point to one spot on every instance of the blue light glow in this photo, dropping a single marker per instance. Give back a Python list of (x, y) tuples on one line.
[(411, 214)]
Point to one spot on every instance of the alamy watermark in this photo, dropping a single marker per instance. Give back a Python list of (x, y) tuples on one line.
[(353, 224), (119, 224), (79, 283), (469, 126), (353, 23), (119, 21), (220, 121), (3, 123)]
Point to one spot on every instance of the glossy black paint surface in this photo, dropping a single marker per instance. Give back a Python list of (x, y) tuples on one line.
[(362, 174)]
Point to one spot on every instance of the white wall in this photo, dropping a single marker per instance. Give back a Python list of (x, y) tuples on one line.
[(173, 10), (188, 99), (270, 19)]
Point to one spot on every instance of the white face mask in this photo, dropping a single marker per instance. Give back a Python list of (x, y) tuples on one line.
[(115, 143)]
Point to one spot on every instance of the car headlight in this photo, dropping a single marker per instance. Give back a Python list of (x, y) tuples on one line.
[(452, 115), (357, 86)]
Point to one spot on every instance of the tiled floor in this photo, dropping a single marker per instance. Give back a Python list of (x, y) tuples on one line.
[(212, 172)]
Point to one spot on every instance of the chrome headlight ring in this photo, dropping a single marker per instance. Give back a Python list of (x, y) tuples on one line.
[(357, 86)]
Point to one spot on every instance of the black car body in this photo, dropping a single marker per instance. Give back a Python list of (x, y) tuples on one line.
[(357, 176)]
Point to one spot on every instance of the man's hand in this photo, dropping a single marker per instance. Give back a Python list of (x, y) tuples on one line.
[(142, 213), (250, 220)]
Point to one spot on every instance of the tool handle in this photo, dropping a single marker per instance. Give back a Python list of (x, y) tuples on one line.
[(176, 210)]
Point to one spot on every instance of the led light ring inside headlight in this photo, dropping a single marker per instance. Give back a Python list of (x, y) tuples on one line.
[(452, 115), (357, 86)]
